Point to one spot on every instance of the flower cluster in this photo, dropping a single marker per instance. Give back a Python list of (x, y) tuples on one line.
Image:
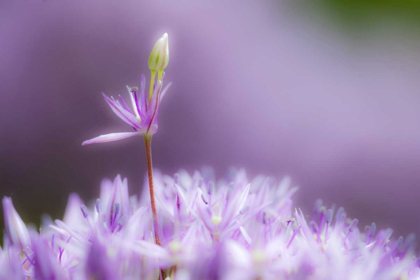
[(229, 229)]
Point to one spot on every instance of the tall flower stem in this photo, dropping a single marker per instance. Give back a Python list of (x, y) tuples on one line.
[(148, 144)]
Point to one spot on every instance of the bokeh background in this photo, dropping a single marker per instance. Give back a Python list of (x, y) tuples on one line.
[(324, 91)]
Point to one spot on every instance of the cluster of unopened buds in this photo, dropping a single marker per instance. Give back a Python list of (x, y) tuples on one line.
[(189, 227)]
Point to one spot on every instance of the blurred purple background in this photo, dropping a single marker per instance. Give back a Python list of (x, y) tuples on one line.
[(270, 87)]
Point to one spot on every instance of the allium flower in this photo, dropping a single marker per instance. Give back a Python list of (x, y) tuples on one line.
[(259, 235), (143, 117), (144, 112)]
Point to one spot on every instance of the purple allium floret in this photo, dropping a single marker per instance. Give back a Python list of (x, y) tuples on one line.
[(143, 117), (229, 229)]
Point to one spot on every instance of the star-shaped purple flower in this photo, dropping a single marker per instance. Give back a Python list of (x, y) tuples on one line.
[(142, 117)]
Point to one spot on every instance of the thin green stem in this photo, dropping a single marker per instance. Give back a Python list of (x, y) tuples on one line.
[(152, 83)]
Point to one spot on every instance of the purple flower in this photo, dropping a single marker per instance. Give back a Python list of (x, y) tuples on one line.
[(142, 117), (114, 206), (219, 209), (98, 264), (46, 264), (11, 264), (257, 235), (143, 114)]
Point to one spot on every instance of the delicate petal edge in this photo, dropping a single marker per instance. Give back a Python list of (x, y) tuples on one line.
[(110, 137)]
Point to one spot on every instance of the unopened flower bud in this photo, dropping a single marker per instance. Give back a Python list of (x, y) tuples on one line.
[(159, 58), (16, 229)]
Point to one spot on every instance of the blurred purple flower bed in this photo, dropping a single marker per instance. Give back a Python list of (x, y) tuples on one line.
[(230, 229)]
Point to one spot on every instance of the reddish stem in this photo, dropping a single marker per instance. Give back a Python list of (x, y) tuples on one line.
[(148, 143)]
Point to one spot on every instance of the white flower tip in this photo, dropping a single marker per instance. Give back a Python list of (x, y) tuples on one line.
[(159, 58), (87, 142)]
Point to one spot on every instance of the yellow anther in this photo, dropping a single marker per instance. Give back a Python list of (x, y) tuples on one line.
[(174, 246), (258, 256), (216, 220)]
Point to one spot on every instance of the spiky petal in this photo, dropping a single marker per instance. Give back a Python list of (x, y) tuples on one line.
[(16, 230)]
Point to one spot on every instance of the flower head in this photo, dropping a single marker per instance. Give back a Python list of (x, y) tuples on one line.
[(143, 115)]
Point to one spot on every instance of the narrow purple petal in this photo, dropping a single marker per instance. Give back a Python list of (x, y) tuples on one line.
[(124, 104), (122, 113), (132, 93), (136, 100), (155, 104), (143, 99), (16, 230), (143, 85), (165, 90), (110, 137)]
